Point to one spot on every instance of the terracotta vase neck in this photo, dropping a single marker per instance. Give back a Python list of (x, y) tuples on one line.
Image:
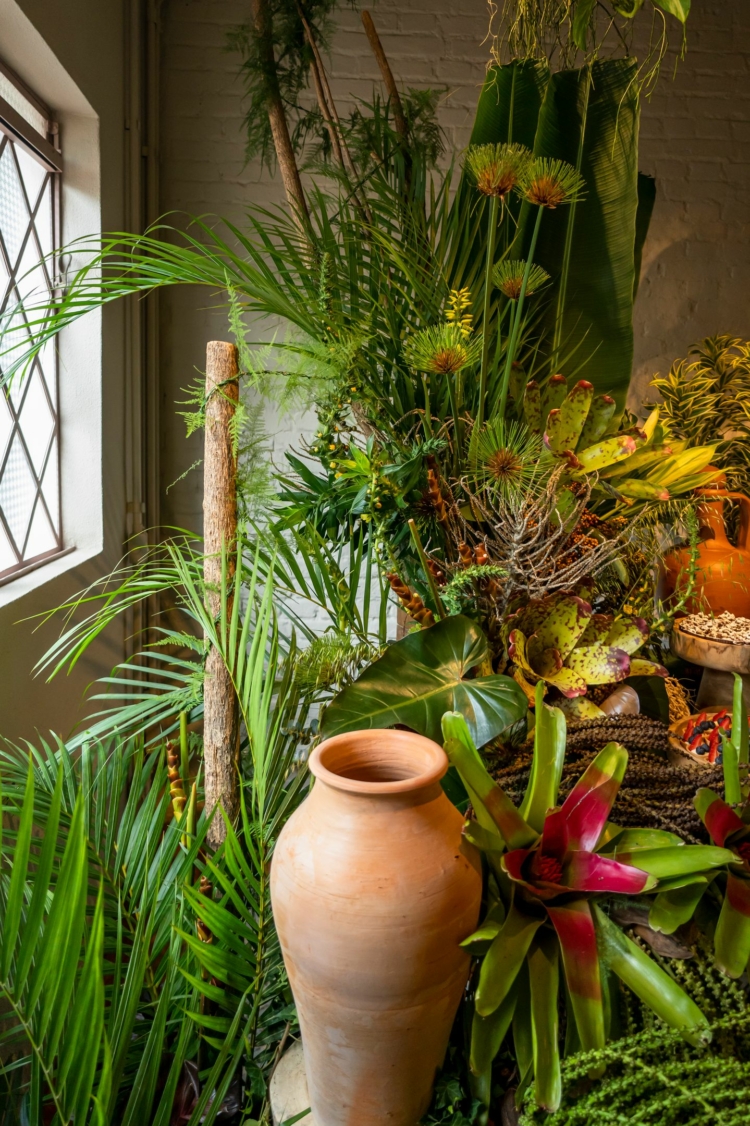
[(365, 764)]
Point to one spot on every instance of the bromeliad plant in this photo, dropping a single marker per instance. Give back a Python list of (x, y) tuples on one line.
[(552, 873), (560, 642), (629, 463), (728, 823)]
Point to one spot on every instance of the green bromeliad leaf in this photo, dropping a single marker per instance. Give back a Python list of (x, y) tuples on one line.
[(675, 860), (544, 978), (493, 808), (650, 982), (547, 763), (672, 908), (628, 634), (504, 959), (606, 453), (732, 940), (565, 425), (601, 413), (599, 664), (423, 676)]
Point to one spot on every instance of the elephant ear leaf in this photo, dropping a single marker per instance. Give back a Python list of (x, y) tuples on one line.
[(424, 675)]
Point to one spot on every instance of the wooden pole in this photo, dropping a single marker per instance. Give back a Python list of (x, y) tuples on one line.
[(399, 119), (221, 726), (263, 24)]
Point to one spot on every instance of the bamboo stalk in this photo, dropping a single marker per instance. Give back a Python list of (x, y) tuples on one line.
[(221, 727)]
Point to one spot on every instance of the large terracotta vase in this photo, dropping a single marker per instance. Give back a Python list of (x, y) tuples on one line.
[(373, 888), (723, 579)]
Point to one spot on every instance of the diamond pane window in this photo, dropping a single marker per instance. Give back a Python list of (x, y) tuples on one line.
[(30, 530)]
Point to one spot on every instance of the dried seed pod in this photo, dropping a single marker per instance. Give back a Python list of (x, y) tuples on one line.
[(480, 555), (655, 793), (411, 602), (679, 704)]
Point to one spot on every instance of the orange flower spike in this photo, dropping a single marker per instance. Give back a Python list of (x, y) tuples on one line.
[(411, 601), (176, 789), (436, 496), (481, 558)]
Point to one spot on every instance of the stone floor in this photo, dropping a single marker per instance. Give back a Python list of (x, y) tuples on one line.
[(288, 1090)]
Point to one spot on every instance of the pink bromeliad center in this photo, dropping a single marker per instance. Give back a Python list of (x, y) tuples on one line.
[(743, 850), (549, 868)]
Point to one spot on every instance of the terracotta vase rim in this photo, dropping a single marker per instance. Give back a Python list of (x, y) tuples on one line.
[(378, 762)]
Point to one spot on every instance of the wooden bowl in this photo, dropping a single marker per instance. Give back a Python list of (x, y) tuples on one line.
[(725, 656)]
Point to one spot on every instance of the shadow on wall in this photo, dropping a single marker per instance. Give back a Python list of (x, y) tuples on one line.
[(689, 290)]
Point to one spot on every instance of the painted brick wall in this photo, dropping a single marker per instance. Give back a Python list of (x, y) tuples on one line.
[(695, 139)]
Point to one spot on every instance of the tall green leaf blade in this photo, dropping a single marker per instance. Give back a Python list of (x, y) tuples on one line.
[(18, 877), (53, 977), (589, 118), (547, 763), (85, 1027), (42, 877), (544, 977), (650, 982), (509, 104)]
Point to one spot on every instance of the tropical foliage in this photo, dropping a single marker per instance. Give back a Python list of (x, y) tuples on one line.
[(706, 398), (728, 823), (142, 974), (465, 335)]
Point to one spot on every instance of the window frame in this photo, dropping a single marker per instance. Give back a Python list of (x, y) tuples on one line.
[(46, 150)]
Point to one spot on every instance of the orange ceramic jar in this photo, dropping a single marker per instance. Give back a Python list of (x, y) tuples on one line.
[(723, 579), (373, 890)]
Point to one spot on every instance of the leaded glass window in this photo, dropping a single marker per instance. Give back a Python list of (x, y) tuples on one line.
[(30, 524)]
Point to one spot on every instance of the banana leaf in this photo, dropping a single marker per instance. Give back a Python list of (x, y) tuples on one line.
[(423, 676), (589, 118), (509, 104)]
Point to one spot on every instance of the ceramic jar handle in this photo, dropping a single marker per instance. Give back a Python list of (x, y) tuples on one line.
[(724, 494)]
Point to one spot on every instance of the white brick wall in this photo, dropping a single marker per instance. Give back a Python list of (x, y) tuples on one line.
[(695, 139)]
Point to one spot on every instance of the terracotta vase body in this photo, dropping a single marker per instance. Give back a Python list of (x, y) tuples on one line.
[(723, 579), (373, 889)]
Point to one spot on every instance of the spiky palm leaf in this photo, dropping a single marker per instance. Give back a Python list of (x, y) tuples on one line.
[(137, 905), (243, 959)]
